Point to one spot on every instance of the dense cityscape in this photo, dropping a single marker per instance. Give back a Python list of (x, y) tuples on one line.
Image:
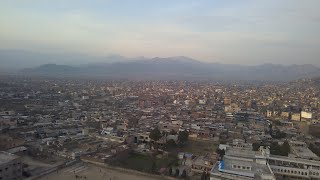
[(159, 90), (91, 129)]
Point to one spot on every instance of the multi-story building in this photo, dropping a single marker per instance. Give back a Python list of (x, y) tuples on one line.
[(300, 149), (10, 166), (242, 163), (294, 168)]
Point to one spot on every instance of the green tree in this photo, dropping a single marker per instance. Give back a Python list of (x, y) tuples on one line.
[(277, 122), (183, 136), (285, 148), (282, 150), (275, 148), (153, 167), (164, 133), (278, 134), (171, 143), (173, 132), (177, 172), (255, 146), (221, 152), (204, 176), (270, 128), (315, 149), (184, 174), (170, 171), (155, 134)]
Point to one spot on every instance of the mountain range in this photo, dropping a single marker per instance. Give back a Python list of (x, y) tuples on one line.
[(116, 66), (177, 68)]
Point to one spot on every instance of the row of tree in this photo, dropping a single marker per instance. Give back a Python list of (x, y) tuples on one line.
[(315, 149), (275, 148), (176, 173), (282, 150), (155, 135)]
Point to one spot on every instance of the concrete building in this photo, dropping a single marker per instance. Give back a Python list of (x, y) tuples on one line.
[(296, 117), (294, 168), (306, 115), (242, 163), (233, 108), (202, 101), (300, 150), (142, 138), (201, 164), (227, 101), (10, 166), (269, 113)]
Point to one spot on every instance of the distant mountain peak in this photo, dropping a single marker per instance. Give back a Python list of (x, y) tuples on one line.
[(174, 59)]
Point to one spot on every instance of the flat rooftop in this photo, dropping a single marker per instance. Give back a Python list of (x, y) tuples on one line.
[(6, 157), (256, 171), (304, 152), (242, 152)]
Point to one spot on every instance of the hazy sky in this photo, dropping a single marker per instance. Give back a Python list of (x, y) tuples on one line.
[(226, 31)]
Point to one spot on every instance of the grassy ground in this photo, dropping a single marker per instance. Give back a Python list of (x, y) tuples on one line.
[(144, 163), (200, 147)]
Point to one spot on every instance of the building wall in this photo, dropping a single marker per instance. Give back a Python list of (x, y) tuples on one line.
[(11, 170), (295, 117), (269, 113), (285, 114), (227, 101), (307, 115)]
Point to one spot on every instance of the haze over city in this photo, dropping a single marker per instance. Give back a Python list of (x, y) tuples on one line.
[(159, 90), (230, 32)]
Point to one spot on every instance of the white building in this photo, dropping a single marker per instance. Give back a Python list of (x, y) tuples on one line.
[(242, 163), (202, 101), (300, 149)]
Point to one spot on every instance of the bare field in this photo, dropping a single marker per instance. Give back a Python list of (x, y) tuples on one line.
[(200, 147), (91, 172)]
